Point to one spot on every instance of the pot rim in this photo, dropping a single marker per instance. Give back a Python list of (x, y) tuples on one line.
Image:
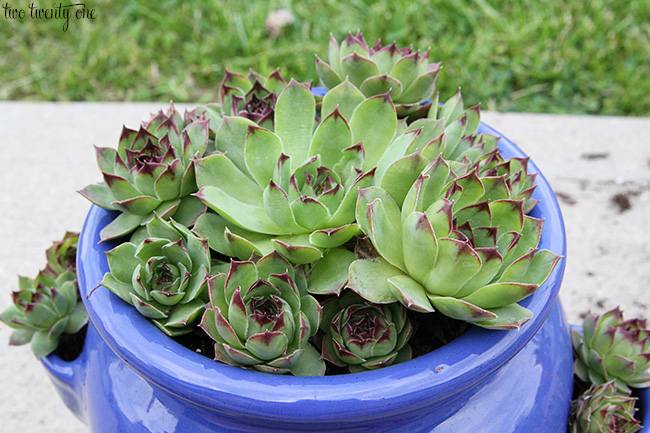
[(232, 390)]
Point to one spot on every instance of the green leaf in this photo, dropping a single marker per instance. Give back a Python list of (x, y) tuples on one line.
[(457, 263), (400, 175), (369, 278), (294, 118), (357, 68), (328, 76), (500, 294), (419, 246), (121, 261), (405, 70), (380, 84), (262, 151), (329, 274), (384, 219), (297, 253), (410, 293), (330, 238), (230, 140), (460, 310), (276, 204), (374, 123), (345, 97), (533, 268), (422, 88), (219, 171), (331, 137), (243, 214), (99, 194), (123, 224), (42, 343), (309, 363), (310, 213), (512, 316)]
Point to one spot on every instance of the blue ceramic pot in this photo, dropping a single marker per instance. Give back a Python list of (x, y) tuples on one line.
[(132, 378)]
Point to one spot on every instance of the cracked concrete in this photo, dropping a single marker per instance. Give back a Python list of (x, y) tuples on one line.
[(598, 166)]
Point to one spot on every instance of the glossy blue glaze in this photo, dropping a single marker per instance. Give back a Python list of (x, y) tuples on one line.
[(132, 378)]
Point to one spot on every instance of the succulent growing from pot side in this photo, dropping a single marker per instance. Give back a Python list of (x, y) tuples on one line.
[(376, 70), (261, 317), (292, 190), (252, 96), (459, 244), (611, 348), (43, 309), (152, 170), (364, 336), (163, 276), (61, 256), (604, 409)]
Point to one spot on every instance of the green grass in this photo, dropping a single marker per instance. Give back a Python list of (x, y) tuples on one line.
[(571, 56)]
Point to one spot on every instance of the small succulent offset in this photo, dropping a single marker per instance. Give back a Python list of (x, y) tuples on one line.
[(48, 306), (261, 317), (376, 70), (604, 409), (613, 349), (251, 96), (365, 336), (61, 256), (163, 276), (152, 170)]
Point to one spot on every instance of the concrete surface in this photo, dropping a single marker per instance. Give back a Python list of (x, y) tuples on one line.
[(598, 166)]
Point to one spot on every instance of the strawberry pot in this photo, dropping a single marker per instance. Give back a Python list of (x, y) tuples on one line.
[(131, 377)]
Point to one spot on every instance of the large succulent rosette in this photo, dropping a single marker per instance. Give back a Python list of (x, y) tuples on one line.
[(43, 309), (604, 409), (261, 317), (293, 190), (611, 348), (364, 336), (152, 170), (379, 69), (163, 276), (461, 245)]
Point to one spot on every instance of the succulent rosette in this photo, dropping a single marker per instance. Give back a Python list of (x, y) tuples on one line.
[(261, 317), (604, 409), (293, 190), (251, 96), (611, 348), (62, 255), (408, 75), (43, 309), (364, 336), (152, 171), (461, 245), (163, 276)]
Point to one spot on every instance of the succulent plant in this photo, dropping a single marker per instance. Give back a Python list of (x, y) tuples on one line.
[(603, 409), (379, 69), (458, 244), (291, 190), (611, 348), (61, 256), (163, 276), (364, 336), (252, 97), (152, 170), (262, 318), (43, 309)]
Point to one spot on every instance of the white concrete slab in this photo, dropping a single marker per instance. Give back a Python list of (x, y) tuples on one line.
[(599, 166)]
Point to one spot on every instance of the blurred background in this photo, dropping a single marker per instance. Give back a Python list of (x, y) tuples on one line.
[(556, 56)]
